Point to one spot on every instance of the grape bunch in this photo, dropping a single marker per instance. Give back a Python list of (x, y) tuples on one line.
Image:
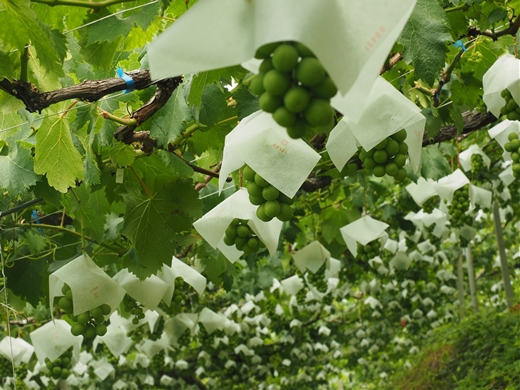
[(157, 363), (137, 334), (511, 109), (270, 201), (387, 157), (318, 279), (301, 296), (240, 234), (513, 147), (185, 339), (459, 206), (270, 307), (134, 308), (477, 163), (90, 323), (294, 86), (114, 361), (434, 240), (431, 203), (60, 367), (368, 251), (6, 368), (158, 329), (179, 296)]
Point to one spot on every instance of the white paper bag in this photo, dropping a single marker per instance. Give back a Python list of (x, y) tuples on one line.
[(212, 225), (16, 350), (90, 285), (311, 257), (385, 112), (53, 339), (180, 269), (465, 157), (212, 321), (504, 73), (422, 191), (292, 285), (501, 131), (352, 39), (447, 185), (148, 292), (116, 340), (261, 143), (363, 230)]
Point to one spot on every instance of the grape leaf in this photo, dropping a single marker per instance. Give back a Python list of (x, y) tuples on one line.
[(56, 155), (202, 79), (466, 90), (333, 219), (16, 169), (26, 278), (424, 39), (246, 103), (122, 154), (433, 163), (6, 67), (154, 224)]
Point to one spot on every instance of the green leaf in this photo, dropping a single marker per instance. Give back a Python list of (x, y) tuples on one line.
[(333, 218), (100, 55), (424, 39), (16, 169), (26, 278), (247, 103), (433, 163), (203, 79), (174, 162), (433, 121), (36, 242), (154, 224), (467, 90), (6, 67), (171, 119), (56, 155), (122, 154)]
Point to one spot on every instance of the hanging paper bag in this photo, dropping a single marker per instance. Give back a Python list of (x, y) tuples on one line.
[(180, 269), (148, 292), (503, 74), (364, 230), (53, 339)]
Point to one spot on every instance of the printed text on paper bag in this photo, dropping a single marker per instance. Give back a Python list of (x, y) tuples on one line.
[(282, 147), (95, 291), (376, 37)]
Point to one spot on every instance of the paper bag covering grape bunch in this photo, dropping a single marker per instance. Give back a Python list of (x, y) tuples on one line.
[(309, 50)]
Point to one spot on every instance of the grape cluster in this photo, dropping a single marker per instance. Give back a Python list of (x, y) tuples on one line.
[(368, 251), (270, 307), (431, 203), (240, 234), (387, 157), (158, 329), (137, 334), (434, 240), (318, 279), (6, 369), (513, 147), (185, 338), (179, 297), (114, 361), (477, 163), (61, 366), (294, 86), (270, 201), (90, 323), (157, 362), (511, 109), (134, 308), (459, 206), (301, 296)]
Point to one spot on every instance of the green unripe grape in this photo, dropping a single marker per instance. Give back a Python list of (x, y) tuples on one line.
[(266, 50), (400, 160), (503, 111), (403, 148), (65, 288), (231, 232), (326, 89), (282, 198), (49, 364), (260, 181), (517, 109), (247, 250), (513, 116), (379, 171), (271, 208), (269, 103), (380, 156), (303, 50), (77, 329), (252, 243), (364, 257), (401, 174), (310, 72), (511, 105), (276, 83), (515, 144), (391, 169), (243, 231), (367, 248), (65, 360), (512, 136), (508, 146), (56, 370), (260, 213), (265, 66), (392, 147), (57, 361), (65, 304), (96, 312), (240, 242), (298, 129), (256, 201), (516, 168), (506, 94), (257, 85), (99, 319), (400, 136), (69, 294), (83, 318), (363, 154), (381, 145), (105, 309), (371, 254), (319, 112), (101, 329), (135, 321), (270, 193), (515, 156), (296, 99), (286, 212), (254, 189), (284, 117), (64, 373), (285, 57), (248, 173), (369, 163)]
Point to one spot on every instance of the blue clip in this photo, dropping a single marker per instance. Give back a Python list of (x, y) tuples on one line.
[(130, 86), (460, 45), (34, 216)]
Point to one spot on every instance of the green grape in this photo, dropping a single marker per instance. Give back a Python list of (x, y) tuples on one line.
[(368, 251), (286, 212), (272, 208), (298, 129), (270, 193), (310, 72), (459, 206), (248, 173), (296, 99), (285, 58), (65, 304), (318, 279), (246, 240), (261, 181), (319, 112), (477, 162), (78, 329), (254, 189), (266, 50), (276, 83), (326, 89), (266, 66), (96, 312), (269, 103), (303, 50), (101, 329), (284, 117), (430, 204)]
